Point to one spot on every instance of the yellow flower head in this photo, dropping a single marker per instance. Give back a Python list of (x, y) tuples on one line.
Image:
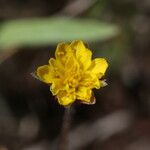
[(72, 74)]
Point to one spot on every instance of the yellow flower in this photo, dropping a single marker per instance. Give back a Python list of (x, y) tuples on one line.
[(72, 74)]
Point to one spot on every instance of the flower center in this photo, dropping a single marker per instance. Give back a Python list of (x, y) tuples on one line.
[(73, 81)]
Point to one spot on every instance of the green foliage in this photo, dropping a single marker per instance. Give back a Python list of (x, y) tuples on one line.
[(37, 32)]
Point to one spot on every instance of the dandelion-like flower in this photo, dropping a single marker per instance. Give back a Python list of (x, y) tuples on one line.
[(72, 74)]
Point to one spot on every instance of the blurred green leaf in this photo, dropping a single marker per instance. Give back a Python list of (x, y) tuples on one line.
[(35, 32)]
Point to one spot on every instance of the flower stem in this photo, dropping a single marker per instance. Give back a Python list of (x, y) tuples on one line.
[(64, 137)]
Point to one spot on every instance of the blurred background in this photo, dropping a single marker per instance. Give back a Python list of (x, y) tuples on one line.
[(30, 117)]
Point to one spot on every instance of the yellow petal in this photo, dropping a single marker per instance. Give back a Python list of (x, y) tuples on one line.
[(83, 54), (45, 73), (65, 99), (77, 44), (84, 94), (98, 67), (54, 63), (97, 83), (71, 66), (58, 67), (56, 86), (90, 81), (61, 52), (92, 100), (70, 62)]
